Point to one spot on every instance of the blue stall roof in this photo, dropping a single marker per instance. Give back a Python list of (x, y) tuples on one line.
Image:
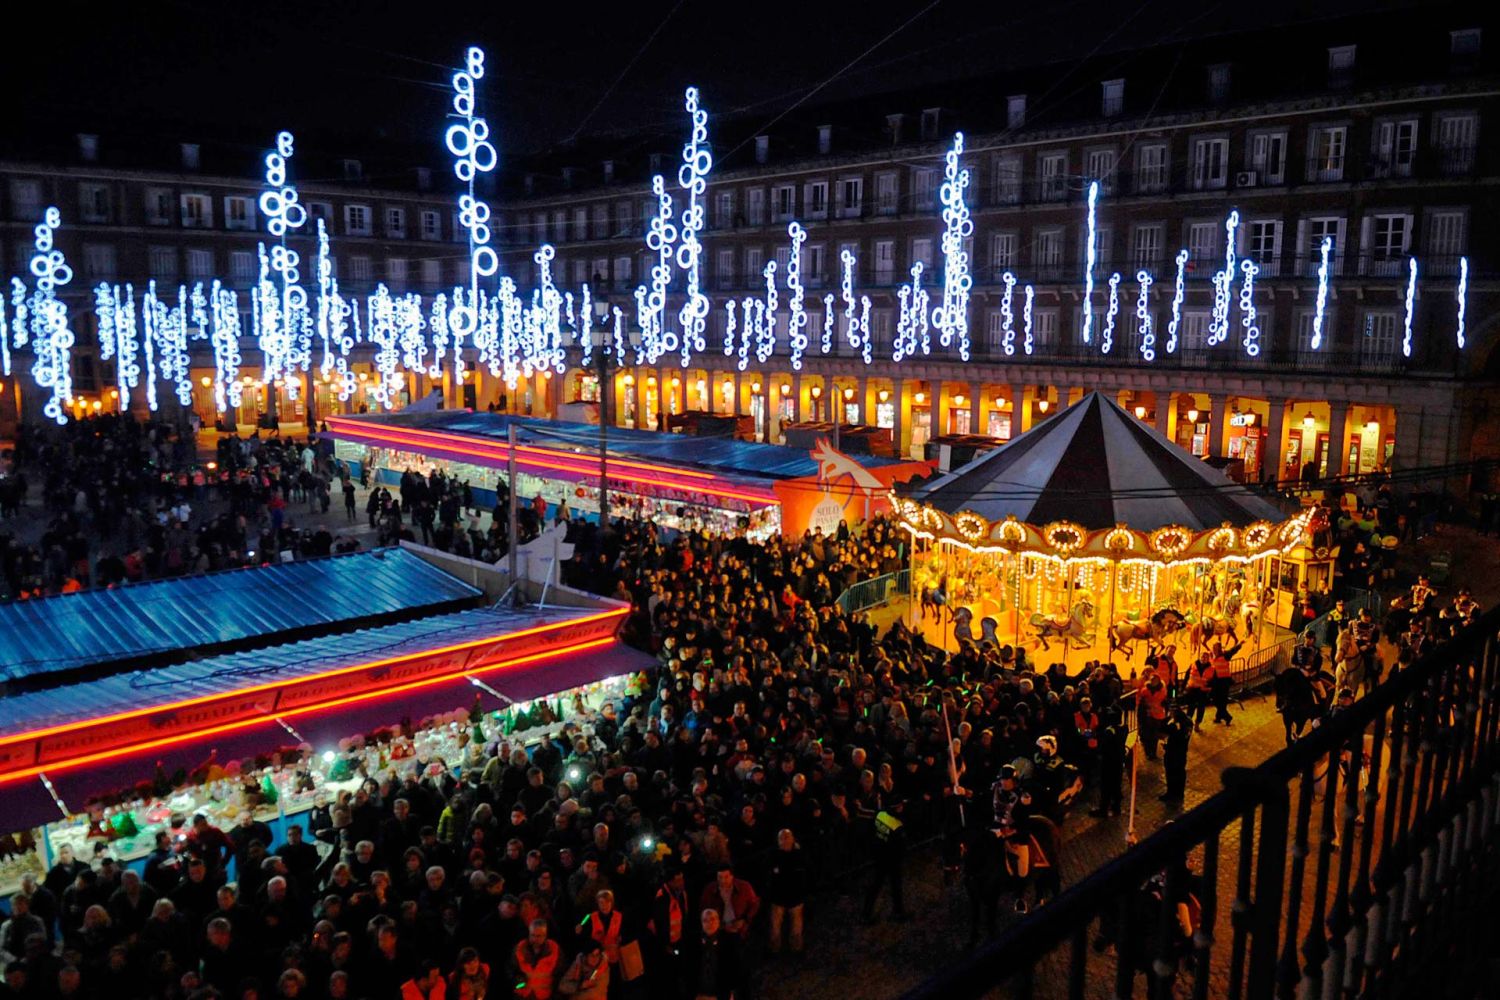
[(52, 635), (223, 674), (723, 455)]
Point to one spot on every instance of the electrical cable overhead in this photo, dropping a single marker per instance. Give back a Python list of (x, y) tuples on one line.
[(628, 67)]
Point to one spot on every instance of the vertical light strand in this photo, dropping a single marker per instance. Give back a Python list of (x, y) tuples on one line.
[(692, 177), (1463, 299), (1179, 292), (952, 316), (1411, 299), (1090, 255), (468, 140), (1026, 320), (51, 337), (1107, 341), (1320, 305), (1143, 315), (1251, 340), (1008, 316), (796, 314)]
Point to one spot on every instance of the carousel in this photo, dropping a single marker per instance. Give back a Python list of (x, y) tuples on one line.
[(1092, 537)]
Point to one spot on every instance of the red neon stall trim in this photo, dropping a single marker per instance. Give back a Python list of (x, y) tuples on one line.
[(272, 685), (199, 734), (501, 453), (439, 436)]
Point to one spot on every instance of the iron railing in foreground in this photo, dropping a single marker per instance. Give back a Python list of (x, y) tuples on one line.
[(874, 592), (1362, 861)]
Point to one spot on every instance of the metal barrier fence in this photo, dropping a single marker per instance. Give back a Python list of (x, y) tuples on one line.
[(1361, 861), (872, 593), (1254, 667)]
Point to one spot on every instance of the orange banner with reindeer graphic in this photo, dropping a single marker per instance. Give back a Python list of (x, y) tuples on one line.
[(843, 490)]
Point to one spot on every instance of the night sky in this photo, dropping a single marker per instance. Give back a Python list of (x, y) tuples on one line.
[(556, 69)]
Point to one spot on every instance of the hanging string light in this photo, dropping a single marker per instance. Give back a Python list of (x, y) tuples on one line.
[(952, 316), (796, 315), (1179, 292), (1143, 315), (692, 177)]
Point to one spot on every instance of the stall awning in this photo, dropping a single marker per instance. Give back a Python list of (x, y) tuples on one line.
[(27, 803), (43, 640)]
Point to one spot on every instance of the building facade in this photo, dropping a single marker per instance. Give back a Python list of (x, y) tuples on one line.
[(1384, 170)]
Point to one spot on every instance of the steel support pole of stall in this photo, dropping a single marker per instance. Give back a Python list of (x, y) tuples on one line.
[(515, 488)]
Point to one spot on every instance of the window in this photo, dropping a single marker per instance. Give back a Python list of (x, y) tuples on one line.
[(1340, 65), (1218, 83), (163, 261), (93, 202), (1049, 253), (754, 263), (239, 212), (432, 226), (1268, 157), (1015, 111), (200, 265), (1007, 181), (1446, 241), (580, 272), (1377, 343), (622, 271), (359, 270), (1395, 148), (320, 210), (354, 170), (1313, 232), (197, 211), (1104, 247), (880, 328), (539, 227), (1307, 355), (1112, 98), (190, 157), (1263, 245), (1203, 246), (1099, 165), (1386, 240), (1003, 248), (395, 223), (560, 225), (784, 201), (1193, 333), (580, 223), (995, 331), (1457, 137), (1043, 330), (724, 275), (1052, 172), (815, 198), (886, 197), (599, 221), (931, 119), (921, 250), (159, 204), (241, 266), (783, 260), (923, 189), (755, 206), (357, 221), (99, 261), (396, 273), (815, 265), (1145, 248), (1151, 168), (851, 196), (624, 217), (885, 262), (1210, 164), (432, 274), (724, 209), (1326, 159)]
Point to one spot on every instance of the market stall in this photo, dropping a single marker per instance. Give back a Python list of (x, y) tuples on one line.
[(719, 485), (1089, 534)]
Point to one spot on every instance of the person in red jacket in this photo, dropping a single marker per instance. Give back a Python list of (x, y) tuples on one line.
[(427, 984), (535, 964), (733, 899)]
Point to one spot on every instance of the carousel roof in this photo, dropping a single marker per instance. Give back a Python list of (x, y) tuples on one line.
[(1097, 466)]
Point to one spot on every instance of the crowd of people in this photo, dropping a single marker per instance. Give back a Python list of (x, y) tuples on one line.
[(124, 500), (665, 846)]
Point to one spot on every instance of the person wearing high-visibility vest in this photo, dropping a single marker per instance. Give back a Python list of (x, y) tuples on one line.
[(1223, 677), (535, 964), (604, 926), (1200, 679)]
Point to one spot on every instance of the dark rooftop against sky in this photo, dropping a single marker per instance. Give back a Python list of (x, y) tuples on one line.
[(379, 70)]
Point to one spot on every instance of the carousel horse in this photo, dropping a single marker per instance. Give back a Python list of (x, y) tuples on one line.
[(1077, 628), (962, 619), (988, 635), (1212, 625), (1300, 698), (1162, 624)]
